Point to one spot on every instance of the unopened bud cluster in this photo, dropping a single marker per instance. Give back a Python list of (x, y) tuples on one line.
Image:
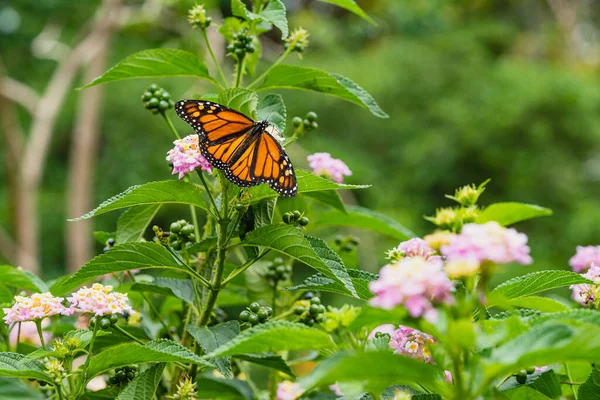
[(255, 314), (157, 99)]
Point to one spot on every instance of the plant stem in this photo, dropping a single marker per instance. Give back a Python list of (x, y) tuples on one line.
[(168, 120), (18, 339), (212, 55), (195, 221), (129, 335), (191, 270), (240, 71), (242, 268), (90, 354), (279, 61), (274, 300), (210, 196), (568, 371), (38, 324)]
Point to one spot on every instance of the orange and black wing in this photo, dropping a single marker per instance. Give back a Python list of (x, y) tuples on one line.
[(263, 160)]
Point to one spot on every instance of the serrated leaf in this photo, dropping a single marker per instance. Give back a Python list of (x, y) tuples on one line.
[(263, 212), (273, 13), (272, 361), (272, 108), (546, 383), (543, 304), (510, 213), (203, 245), (363, 218), (180, 288), (307, 182), (360, 280), (21, 279), (85, 336), (209, 339), (14, 365), (329, 197), (378, 369), (578, 314), (242, 100), (155, 63), (101, 236), (316, 80), (133, 222), (537, 282), (590, 389), (161, 192), (274, 336), (210, 387), (15, 389), (313, 252), (160, 350), (120, 258), (143, 386), (351, 6)]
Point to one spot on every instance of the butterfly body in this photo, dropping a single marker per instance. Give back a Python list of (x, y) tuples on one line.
[(248, 152)]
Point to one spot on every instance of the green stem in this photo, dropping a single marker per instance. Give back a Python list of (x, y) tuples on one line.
[(240, 70), (195, 221), (168, 120), (212, 55), (210, 196), (249, 381), (568, 371), (279, 61), (242, 268), (90, 354), (191, 270), (38, 324), (58, 391), (18, 339), (129, 335), (274, 301)]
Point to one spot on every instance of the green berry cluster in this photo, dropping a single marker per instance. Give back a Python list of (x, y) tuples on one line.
[(521, 376), (123, 375), (254, 314), (313, 314), (380, 335), (346, 244), (277, 271), (157, 100), (182, 234), (104, 322), (295, 218), (109, 245), (241, 44), (307, 123)]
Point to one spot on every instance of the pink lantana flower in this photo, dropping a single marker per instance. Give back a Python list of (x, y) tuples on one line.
[(411, 342), (414, 282), (324, 164), (288, 390), (584, 257), (411, 248), (35, 307), (488, 242), (186, 156), (588, 294), (99, 300)]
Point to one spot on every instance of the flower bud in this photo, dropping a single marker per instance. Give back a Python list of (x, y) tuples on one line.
[(197, 17)]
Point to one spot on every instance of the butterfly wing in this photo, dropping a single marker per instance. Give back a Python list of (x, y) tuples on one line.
[(246, 151)]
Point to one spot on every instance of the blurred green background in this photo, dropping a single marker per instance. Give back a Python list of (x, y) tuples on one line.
[(506, 90)]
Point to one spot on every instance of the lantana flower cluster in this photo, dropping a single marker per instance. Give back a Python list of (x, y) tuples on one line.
[(325, 165), (411, 342), (186, 156), (99, 300), (588, 294), (585, 257), (416, 282)]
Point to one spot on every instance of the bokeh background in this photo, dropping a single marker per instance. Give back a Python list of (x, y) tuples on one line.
[(475, 89)]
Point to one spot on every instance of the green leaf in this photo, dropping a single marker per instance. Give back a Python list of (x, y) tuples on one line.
[(273, 13), (510, 213), (263, 212), (307, 182), (303, 78), (21, 279), (85, 336), (203, 245), (313, 252), (373, 316), (180, 288), (120, 258), (274, 336), (209, 339), (590, 389), (272, 108), (143, 386), (14, 365), (155, 63), (537, 282), (101, 236), (363, 218), (378, 369), (272, 361), (161, 192), (329, 197), (351, 6), (546, 383), (15, 389), (160, 350), (210, 387), (133, 222), (578, 314), (360, 280), (242, 100), (543, 304)]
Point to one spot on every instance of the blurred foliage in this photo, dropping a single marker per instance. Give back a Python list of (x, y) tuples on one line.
[(474, 89)]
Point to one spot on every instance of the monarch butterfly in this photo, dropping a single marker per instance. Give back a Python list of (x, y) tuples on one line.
[(247, 151)]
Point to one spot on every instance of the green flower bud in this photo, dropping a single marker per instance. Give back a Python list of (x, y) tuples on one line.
[(197, 17)]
